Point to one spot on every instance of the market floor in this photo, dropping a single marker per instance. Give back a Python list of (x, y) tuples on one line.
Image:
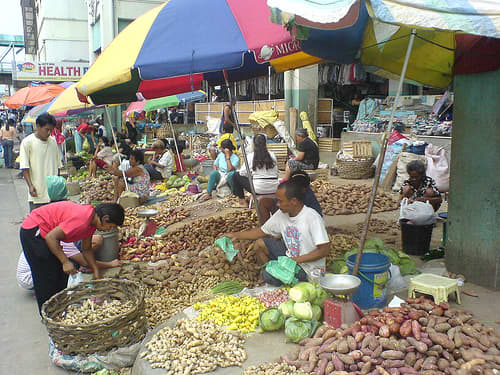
[(24, 338)]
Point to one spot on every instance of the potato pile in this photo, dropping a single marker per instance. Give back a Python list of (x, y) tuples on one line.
[(192, 347), (164, 218), (350, 199), (175, 200), (201, 233), (273, 369), (340, 243), (91, 312), (149, 249), (381, 226), (97, 189), (419, 337)]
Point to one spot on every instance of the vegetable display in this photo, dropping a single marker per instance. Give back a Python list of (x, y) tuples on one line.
[(91, 311), (98, 189), (236, 313), (350, 199), (274, 298), (271, 319), (273, 369), (228, 287), (192, 347), (297, 330), (419, 337), (164, 218)]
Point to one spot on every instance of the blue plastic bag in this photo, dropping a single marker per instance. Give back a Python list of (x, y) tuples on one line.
[(56, 187)]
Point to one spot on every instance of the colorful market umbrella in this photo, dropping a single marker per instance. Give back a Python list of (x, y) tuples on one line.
[(33, 95), (167, 101), (172, 48), (377, 32)]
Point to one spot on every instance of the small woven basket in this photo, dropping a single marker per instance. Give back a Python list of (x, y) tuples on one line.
[(122, 330), (355, 169)]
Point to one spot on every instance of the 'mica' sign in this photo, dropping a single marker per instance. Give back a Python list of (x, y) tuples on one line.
[(43, 71)]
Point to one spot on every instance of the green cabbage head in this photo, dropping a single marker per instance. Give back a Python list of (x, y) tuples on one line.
[(303, 292), (271, 319)]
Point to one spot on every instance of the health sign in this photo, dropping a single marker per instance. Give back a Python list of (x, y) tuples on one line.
[(50, 71)]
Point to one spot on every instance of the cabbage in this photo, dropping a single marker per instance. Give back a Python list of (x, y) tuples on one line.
[(303, 310), (374, 243), (321, 296), (287, 308), (303, 292), (271, 319), (316, 312), (296, 329)]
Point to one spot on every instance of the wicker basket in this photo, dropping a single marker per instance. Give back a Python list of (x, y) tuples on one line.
[(355, 169), (122, 330), (269, 130)]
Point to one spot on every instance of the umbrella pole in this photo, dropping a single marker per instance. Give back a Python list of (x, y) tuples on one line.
[(175, 142), (385, 140), (116, 146), (249, 171)]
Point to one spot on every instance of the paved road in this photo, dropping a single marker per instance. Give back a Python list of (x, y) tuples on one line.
[(23, 337)]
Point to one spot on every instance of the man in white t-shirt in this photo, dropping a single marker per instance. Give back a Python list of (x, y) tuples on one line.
[(39, 158), (161, 167), (302, 231)]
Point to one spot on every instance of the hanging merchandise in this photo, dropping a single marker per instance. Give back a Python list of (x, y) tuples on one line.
[(438, 166)]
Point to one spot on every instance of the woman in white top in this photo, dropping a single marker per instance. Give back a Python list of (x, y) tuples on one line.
[(264, 171), (103, 157)]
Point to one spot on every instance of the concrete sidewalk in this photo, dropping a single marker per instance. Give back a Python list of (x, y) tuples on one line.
[(23, 337)]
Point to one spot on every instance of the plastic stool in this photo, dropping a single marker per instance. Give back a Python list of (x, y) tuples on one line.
[(437, 286)]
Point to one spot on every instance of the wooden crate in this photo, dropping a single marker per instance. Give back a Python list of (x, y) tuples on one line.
[(362, 149), (245, 106), (329, 144), (321, 174), (280, 150)]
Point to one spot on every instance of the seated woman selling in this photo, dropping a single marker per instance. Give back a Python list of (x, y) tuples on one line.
[(103, 157), (420, 187), (264, 171), (137, 177), (225, 164)]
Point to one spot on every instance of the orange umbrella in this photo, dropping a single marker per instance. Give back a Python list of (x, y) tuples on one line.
[(33, 95)]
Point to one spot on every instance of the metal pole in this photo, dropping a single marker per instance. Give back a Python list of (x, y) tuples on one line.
[(249, 170), (175, 142), (269, 82), (116, 146), (383, 149)]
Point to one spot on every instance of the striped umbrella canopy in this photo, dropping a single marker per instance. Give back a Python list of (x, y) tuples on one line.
[(451, 36), (166, 101), (175, 46)]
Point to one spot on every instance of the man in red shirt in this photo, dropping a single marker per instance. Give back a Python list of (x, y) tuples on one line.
[(43, 230)]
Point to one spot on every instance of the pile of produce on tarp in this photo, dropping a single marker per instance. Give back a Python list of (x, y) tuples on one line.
[(350, 199), (419, 337), (99, 189)]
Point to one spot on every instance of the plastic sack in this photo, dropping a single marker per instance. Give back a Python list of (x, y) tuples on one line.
[(227, 247), (86, 144), (391, 154), (56, 187), (213, 125), (283, 269), (396, 283), (75, 279), (438, 166), (116, 358), (418, 213), (402, 174)]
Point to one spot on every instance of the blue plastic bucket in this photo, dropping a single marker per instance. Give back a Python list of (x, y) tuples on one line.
[(374, 275)]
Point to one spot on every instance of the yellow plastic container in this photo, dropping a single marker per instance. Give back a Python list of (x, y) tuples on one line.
[(437, 286)]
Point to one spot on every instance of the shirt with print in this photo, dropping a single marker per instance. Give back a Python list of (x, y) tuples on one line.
[(301, 234), (74, 219), (311, 151), (168, 164), (220, 162), (42, 158), (427, 182)]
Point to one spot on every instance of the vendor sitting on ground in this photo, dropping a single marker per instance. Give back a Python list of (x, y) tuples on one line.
[(137, 178), (103, 157), (227, 133), (161, 166), (308, 157), (301, 228), (43, 230), (420, 187), (264, 168), (224, 167), (268, 206), (73, 251)]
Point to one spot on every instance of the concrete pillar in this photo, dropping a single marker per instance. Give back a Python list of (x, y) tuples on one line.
[(107, 23), (301, 92), (473, 245)]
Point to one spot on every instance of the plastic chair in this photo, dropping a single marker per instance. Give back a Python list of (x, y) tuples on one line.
[(437, 286)]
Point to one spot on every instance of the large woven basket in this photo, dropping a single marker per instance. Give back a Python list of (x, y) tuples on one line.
[(269, 130), (355, 169), (122, 330)]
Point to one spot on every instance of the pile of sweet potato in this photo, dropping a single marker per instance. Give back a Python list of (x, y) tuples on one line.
[(420, 337)]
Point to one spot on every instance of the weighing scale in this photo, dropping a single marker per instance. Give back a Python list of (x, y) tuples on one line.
[(148, 228), (340, 309)]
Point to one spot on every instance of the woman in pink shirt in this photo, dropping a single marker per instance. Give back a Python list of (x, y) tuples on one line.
[(43, 230)]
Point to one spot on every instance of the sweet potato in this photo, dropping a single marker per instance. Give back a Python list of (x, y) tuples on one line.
[(351, 342), (325, 355), (442, 327), (441, 339), (343, 347), (311, 341), (304, 354), (321, 330), (381, 370), (377, 351), (418, 364), (405, 329), (420, 346), (359, 336), (321, 366), (443, 364), (329, 346), (365, 368), (415, 329), (339, 365), (373, 343), (392, 354), (356, 355), (388, 363), (407, 371)]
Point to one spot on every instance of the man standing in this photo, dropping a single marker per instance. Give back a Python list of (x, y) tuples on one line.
[(308, 157), (39, 158), (301, 228)]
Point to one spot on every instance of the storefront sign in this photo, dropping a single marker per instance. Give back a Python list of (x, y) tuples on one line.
[(43, 71)]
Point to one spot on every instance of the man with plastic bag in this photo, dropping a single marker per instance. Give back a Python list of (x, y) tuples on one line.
[(302, 230)]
